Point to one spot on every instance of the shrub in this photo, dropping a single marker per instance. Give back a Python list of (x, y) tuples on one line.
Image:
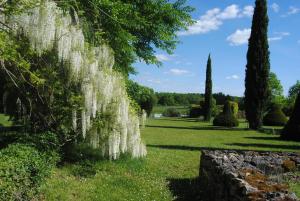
[(214, 110), (234, 106), (74, 152), (195, 112), (241, 114), (7, 138), (275, 117), (171, 112), (287, 110), (217, 110), (44, 142), (291, 130), (22, 170), (226, 119)]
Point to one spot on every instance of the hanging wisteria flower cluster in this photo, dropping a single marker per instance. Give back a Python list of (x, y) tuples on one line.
[(103, 89)]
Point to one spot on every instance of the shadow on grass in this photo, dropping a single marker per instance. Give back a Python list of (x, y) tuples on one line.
[(244, 147), (185, 189), (273, 131), (178, 147), (265, 138), (199, 128), (169, 127), (189, 148), (270, 146), (183, 119)]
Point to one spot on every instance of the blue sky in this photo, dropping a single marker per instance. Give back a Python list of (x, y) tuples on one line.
[(222, 29)]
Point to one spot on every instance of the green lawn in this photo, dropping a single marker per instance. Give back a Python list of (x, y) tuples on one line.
[(4, 120), (295, 183), (160, 109), (169, 170)]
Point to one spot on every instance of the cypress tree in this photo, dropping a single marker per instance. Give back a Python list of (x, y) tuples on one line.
[(257, 92), (208, 92), (292, 129)]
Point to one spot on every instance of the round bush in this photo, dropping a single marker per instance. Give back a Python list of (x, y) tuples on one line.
[(226, 119), (171, 112), (275, 117)]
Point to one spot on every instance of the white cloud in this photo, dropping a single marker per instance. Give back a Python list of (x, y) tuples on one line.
[(275, 7), (205, 24), (229, 12), (154, 81), (239, 37), (278, 36), (283, 33), (248, 11), (176, 71), (163, 57), (214, 18), (293, 10), (233, 77)]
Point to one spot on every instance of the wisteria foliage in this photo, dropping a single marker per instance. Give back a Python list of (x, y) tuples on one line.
[(106, 120)]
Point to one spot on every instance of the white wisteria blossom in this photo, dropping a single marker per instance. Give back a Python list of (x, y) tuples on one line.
[(103, 89)]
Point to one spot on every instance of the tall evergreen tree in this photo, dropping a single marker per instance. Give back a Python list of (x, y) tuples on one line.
[(257, 91), (292, 129), (208, 92)]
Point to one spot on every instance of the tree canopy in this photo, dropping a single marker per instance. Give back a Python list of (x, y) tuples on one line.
[(276, 89), (294, 91), (132, 28), (143, 96)]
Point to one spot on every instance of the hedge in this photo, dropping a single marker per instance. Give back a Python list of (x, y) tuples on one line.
[(227, 118), (275, 117), (22, 170)]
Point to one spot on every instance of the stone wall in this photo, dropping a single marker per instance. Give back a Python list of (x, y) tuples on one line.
[(246, 175)]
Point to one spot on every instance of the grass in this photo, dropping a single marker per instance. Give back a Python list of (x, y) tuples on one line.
[(295, 187), (4, 121), (294, 184), (169, 171), (161, 109)]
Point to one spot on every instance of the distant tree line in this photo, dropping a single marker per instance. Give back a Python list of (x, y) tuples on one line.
[(172, 99), (146, 98), (186, 99)]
